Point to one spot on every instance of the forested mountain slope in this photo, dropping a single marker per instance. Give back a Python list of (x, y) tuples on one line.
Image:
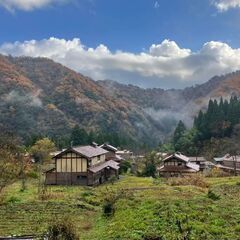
[(39, 96)]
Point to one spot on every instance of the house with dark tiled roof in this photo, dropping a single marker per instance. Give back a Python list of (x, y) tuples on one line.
[(228, 163), (84, 165), (202, 162), (177, 164), (112, 153)]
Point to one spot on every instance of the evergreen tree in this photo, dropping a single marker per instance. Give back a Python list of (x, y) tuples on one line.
[(79, 136), (178, 133)]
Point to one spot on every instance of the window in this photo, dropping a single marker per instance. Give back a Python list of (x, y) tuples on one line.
[(179, 164), (98, 158)]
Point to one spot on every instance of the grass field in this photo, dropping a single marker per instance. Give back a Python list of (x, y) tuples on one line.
[(148, 209)]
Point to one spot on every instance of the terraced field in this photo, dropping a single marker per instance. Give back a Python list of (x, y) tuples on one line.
[(145, 209)]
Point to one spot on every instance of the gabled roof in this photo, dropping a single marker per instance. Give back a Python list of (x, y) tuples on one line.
[(85, 151), (190, 165), (227, 168), (90, 151), (178, 156), (228, 158), (111, 164), (220, 159), (109, 147), (199, 159), (193, 166)]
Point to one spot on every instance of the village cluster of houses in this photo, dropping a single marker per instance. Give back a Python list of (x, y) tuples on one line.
[(178, 164), (95, 164), (86, 165)]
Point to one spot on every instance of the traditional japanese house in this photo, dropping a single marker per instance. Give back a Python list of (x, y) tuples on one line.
[(85, 165), (177, 164), (202, 162), (228, 163), (126, 154), (112, 153)]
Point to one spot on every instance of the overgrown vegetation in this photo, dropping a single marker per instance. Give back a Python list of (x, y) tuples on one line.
[(194, 180), (140, 208), (10, 156), (62, 229)]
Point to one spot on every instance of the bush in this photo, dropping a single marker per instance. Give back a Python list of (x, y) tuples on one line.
[(13, 200), (150, 170), (32, 174), (194, 179), (108, 208), (112, 179), (62, 230), (238, 183), (213, 195), (124, 166), (217, 172), (111, 197), (87, 193)]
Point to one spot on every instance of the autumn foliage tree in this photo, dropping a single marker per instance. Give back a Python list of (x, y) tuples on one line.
[(41, 150), (9, 164)]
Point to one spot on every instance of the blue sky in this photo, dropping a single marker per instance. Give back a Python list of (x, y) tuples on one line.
[(132, 27)]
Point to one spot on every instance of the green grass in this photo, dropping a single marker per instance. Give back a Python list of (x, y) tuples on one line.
[(160, 210)]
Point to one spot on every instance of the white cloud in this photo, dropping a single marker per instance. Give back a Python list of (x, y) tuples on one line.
[(163, 65), (168, 49), (224, 5), (156, 4), (28, 5)]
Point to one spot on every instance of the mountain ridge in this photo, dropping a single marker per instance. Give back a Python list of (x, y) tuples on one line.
[(40, 96)]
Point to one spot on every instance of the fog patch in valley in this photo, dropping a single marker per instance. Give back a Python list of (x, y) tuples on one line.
[(28, 99)]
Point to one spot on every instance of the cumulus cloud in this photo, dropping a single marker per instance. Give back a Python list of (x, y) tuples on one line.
[(168, 49), (224, 5), (28, 5), (163, 65)]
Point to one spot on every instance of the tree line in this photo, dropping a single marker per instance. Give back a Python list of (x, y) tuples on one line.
[(215, 129)]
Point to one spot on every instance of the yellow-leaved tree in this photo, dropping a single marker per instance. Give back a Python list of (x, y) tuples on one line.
[(41, 150)]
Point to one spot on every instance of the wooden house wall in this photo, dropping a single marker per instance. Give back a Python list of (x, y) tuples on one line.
[(71, 162), (174, 162), (231, 164), (101, 177), (98, 159), (56, 178), (110, 155)]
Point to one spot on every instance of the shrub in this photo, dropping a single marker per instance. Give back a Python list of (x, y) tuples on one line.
[(149, 170), (195, 180), (108, 208), (217, 172), (87, 193), (213, 195), (124, 166), (13, 199), (238, 183), (112, 179), (61, 230), (111, 197), (32, 174)]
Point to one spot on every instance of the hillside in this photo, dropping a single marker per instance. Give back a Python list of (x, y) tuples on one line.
[(145, 209), (39, 96), (165, 106)]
